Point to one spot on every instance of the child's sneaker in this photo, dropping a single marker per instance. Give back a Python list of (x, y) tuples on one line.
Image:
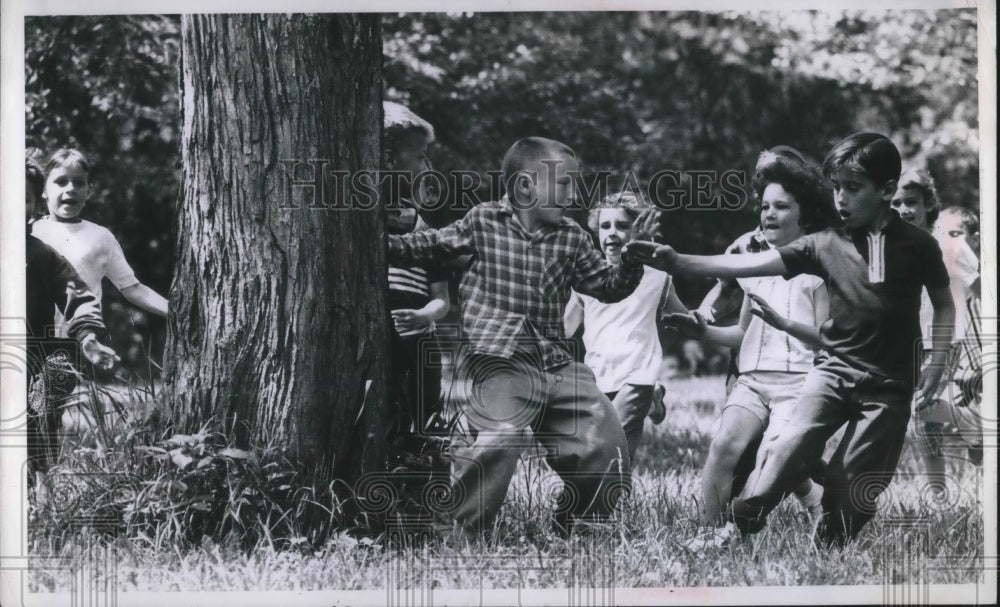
[(719, 537), (658, 411)]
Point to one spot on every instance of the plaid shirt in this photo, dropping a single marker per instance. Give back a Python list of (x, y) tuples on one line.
[(516, 289)]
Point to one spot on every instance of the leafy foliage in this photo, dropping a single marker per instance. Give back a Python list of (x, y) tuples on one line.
[(109, 86), (645, 92), (638, 92)]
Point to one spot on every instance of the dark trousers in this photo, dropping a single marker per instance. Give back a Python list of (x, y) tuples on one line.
[(414, 383), (52, 367), (632, 404), (876, 410)]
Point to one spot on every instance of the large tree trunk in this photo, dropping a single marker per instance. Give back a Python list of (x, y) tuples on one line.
[(278, 316)]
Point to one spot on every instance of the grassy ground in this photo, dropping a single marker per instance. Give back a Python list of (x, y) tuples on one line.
[(644, 550)]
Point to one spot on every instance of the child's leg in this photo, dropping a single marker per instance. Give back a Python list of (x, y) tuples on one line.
[(505, 398), (424, 386), (729, 461), (632, 403), (866, 459), (401, 355), (585, 442), (789, 450), (927, 437), (739, 428)]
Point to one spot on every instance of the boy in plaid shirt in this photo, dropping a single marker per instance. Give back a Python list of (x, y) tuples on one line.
[(526, 256)]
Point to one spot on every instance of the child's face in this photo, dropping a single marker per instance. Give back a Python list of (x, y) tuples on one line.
[(66, 191), (911, 206), (614, 230), (779, 215), (952, 231), (409, 155), (859, 201), (554, 189)]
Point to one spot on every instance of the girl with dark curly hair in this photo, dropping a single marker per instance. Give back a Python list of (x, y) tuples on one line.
[(777, 335)]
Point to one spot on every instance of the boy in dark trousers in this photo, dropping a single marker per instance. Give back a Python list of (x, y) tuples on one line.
[(418, 296), (525, 258), (874, 269)]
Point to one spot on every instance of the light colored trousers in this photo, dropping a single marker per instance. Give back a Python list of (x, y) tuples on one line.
[(565, 412)]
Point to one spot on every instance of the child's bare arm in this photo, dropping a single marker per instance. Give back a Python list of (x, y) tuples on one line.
[(669, 302), (800, 331), (664, 257), (436, 308), (146, 298), (440, 301), (694, 326), (942, 329)]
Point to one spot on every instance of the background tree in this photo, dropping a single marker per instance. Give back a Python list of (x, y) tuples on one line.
[(629, 91), (278, 314)]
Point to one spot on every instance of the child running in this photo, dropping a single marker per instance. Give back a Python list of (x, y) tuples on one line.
[(874, 269), (90, 248), (621, 339), (526, 256), (776, 341), (917, 203)]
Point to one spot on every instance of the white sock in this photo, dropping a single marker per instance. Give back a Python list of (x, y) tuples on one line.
[(812, 497)]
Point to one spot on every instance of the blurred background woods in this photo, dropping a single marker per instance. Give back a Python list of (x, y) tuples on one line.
[(640, 92)]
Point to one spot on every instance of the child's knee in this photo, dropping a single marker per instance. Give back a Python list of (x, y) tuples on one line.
[(726, 450)]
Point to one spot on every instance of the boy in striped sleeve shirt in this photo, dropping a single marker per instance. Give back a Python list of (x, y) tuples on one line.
[(418, 297)]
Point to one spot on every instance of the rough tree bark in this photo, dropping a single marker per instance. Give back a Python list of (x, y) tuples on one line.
[(277, 310)]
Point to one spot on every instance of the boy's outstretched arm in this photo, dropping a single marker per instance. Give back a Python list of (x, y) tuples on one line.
[(942, 329), (146, 298), (431, 246), (664, 257)]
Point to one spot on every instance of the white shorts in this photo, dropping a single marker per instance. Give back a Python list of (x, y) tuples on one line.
[(770, 395)]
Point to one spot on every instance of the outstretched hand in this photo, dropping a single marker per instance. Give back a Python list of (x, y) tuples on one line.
[(766, 312), (927, 386), (647, 225), (100, 355), (691, 325), (659, 256)]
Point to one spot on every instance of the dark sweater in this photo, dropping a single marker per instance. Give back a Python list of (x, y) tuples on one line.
[(53, 283)]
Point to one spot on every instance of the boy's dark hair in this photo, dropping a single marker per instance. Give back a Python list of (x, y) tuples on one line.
[(526, 152), (871, 154), (33, 176), (803, 180)]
